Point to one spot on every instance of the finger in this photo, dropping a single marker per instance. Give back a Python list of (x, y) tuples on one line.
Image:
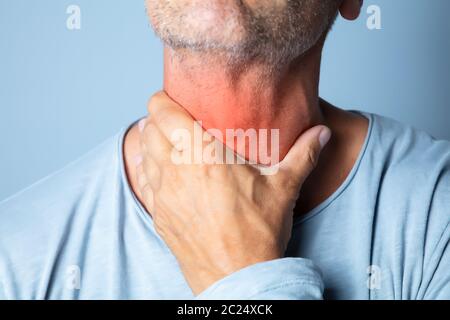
[(176, 123), (155, 145), (141, 124), (152, 173), (144, 187), (169, 116), (304, 154)]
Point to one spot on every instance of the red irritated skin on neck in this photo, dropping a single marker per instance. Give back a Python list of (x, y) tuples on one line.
[(289, 103)]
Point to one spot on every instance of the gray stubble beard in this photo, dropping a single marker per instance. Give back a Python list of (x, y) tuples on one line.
[(272, 39)]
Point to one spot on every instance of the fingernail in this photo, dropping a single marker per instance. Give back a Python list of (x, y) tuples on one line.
[(324, 137), (141, 125), (138, 160)]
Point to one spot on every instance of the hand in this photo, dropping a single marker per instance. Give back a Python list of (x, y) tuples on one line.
[(218, 219)]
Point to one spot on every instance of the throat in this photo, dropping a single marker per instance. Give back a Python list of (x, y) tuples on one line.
[(252, 98)]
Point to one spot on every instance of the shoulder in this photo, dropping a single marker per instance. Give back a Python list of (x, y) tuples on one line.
[(412, 170), (408, 153), (39, 216)]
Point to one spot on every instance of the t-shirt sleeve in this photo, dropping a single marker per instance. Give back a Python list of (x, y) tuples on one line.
[(282, 279)]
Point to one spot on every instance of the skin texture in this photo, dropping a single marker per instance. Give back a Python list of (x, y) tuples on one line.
[(290, 103), (241, 32), (213, 232), (205, 86)]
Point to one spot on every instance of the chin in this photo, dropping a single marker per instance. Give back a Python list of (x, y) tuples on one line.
[(198, 23)]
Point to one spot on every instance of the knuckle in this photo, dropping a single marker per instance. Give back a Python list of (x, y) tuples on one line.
[(149, 140), (155, 100), (141, 180), (145, 186), (148, 191), (163, 117), (150, 130), (311, 157)]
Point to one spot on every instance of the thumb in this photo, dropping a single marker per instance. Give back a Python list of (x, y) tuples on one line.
[(304, 154)]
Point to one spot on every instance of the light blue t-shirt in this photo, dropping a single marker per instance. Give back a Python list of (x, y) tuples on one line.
[(384, 234)]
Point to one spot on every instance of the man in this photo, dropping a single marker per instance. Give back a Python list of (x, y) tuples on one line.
[(369, 219)]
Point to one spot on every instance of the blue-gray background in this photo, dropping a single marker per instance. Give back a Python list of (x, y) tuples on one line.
[(62, 92)]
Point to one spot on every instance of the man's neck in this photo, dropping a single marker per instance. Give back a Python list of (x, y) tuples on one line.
[(253, 99), (290, 104)]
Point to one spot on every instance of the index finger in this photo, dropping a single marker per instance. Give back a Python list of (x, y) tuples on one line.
[(175, 122), (169, 116)]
